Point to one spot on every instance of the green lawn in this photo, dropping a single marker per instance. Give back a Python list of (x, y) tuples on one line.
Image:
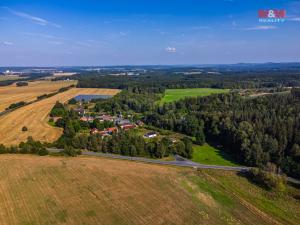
[(177, 94), (207, 154)]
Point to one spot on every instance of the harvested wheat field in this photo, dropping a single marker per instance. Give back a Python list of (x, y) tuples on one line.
[(13, 94), (35, 118), (89, 190)]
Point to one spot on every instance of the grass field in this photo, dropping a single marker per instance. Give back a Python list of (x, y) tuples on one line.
[(13, 94), (177, 94), (35, 118), (207, 154), (84, 190)]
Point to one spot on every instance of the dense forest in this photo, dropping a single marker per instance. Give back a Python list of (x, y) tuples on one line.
[(253, 130), (162, 79)]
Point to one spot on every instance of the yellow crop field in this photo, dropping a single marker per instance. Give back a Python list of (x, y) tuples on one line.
[(13, 94), (88, 190), (35, 118)]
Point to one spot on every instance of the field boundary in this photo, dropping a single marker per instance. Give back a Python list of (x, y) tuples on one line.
[(34, 101)]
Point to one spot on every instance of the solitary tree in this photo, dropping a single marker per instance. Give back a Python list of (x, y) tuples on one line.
[(24, 129)]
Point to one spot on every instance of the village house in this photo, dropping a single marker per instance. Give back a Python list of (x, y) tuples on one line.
[(103, 118), (150, 135), (112, 130), (105, 132), (94, 131), (87, 119), (128, 126), (121, 122)]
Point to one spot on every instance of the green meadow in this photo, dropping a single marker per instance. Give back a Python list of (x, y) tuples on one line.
[(177, 94), (207, 154)]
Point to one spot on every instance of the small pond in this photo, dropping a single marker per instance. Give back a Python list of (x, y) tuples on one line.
[(88, 98)]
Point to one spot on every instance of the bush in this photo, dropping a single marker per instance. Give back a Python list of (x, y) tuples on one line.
[(33, 147), (70, 151), (24, 129), (42, 97), (3, 150), (21, 84), (58, 110), (268, 180), (16, 105), (13, 150), (43, 151)]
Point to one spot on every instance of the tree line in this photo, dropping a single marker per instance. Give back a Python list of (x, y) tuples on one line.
[(29, 147), (161, 79), (127, 143)]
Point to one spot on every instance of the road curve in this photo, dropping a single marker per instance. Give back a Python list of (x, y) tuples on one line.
[(179, 161)]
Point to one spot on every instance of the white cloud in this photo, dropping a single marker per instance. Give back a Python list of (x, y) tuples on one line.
[(261, 28), (47, 36), (171, 49), (32, 18), (8, 43), (55, 40)]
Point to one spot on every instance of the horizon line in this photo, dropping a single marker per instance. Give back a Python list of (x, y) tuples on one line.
[(119, 65)]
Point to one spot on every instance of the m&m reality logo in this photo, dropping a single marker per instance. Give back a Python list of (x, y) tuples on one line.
[(272, 15)]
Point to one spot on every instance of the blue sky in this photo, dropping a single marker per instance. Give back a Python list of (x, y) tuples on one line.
[(90, 32)]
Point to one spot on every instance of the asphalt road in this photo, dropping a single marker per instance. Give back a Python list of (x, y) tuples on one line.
[(179, 161)]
